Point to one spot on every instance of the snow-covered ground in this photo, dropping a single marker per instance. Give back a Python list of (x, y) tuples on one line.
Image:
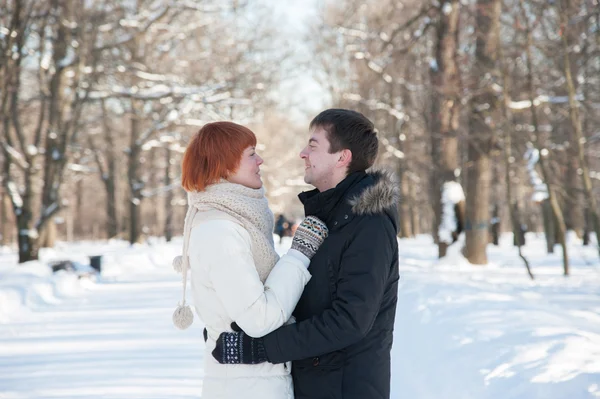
[(462, 331)]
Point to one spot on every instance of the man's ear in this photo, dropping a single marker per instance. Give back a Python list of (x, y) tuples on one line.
[(345, 158)]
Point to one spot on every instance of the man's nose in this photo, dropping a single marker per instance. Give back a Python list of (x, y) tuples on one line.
[(303, 153)]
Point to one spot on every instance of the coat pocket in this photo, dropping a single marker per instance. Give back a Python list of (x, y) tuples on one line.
[(320, 377)]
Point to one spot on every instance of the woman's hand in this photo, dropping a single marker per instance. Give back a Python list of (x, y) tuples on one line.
[(309, 236)]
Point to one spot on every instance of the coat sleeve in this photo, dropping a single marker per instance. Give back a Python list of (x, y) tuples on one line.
[(363, 276), (223, 248)]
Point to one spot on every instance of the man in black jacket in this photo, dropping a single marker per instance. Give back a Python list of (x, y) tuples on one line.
[(341, 343)]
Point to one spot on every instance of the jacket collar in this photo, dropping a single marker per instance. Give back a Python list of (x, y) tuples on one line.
[(323, 204), (360, 193)]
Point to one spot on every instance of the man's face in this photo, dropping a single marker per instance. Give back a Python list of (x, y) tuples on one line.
[(319, 164)]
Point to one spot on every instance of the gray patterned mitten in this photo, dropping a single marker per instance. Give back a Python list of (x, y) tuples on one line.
[(309, 236)]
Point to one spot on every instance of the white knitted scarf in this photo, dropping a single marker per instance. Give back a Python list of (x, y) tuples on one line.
[(249, 207)]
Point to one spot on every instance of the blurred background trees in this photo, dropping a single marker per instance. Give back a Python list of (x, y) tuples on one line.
[(486, 109)]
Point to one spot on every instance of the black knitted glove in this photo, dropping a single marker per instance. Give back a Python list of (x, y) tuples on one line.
[(309, 236), (239, 348)]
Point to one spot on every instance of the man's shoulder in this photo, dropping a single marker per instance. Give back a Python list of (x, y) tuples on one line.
[(374, 222)]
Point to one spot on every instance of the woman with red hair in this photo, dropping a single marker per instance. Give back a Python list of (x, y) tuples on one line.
[(237, 278)]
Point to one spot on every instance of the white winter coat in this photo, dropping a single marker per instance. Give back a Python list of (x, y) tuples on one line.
[(225, 288)]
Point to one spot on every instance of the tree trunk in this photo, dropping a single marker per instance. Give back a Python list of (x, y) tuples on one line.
[(80, 229), (445, 105), (478, 213), (112, 226), (415, 213), (169, 196), (405, 220), (549, 226), (496, 225), (513, 206), (152, 220), (47, 237), (109, 176), (517, 226), (586, 229), (134, 179), (578, 138), (574, 201), (557, 216), (57, 133), (481, 131), (27, 243), (27, 235), (5, 232), (403, 132)]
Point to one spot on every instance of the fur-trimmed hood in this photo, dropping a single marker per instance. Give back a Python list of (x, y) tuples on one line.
[(377, 198)]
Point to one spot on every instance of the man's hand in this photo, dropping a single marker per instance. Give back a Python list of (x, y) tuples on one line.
[(238, 348)]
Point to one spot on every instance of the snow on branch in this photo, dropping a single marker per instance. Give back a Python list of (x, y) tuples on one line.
[(545, 99), (194, 6), (361, 34), (137, 24), (16, 156), (156, 92), (161, 190), (391, 149), (375, 105), (378, 69), (15, 196), (452, 194), (540, 191), (425, 9), (146, 135), (154, 77)]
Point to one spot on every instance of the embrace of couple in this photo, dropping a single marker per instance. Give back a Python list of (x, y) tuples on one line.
[(317, 322)]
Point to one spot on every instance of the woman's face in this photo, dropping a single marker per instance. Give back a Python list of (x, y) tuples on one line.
[(248, 173)]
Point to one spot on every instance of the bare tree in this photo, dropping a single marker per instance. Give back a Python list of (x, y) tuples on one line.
[(445, 110), (482, 119), (543, 157), (566, 13)]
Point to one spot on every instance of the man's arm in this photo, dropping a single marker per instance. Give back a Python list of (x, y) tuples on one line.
[(364, 273)]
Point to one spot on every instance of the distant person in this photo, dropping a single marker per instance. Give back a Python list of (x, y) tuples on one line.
[(281, 225), (236, 275)]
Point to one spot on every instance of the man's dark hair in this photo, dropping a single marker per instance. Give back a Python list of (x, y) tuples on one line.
[(350, 130)]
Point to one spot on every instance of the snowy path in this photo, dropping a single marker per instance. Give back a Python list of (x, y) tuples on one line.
[(111, 343), (461, 332), (116, 340)]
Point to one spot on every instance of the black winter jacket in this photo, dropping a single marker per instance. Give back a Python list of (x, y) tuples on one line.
[(340, 345)]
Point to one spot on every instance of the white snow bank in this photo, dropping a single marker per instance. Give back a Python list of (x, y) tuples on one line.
[(487, 332), (32, 285)]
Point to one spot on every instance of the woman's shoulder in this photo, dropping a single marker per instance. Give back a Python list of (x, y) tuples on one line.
[(218, 225), (214, 216)]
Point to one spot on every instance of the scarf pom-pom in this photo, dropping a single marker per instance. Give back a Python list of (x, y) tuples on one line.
[(178, 264), (183, 317)]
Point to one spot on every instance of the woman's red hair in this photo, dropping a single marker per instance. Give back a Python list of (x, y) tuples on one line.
[(214, 152)]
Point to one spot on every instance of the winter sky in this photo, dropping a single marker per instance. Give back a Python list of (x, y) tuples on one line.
[(295, 18)]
